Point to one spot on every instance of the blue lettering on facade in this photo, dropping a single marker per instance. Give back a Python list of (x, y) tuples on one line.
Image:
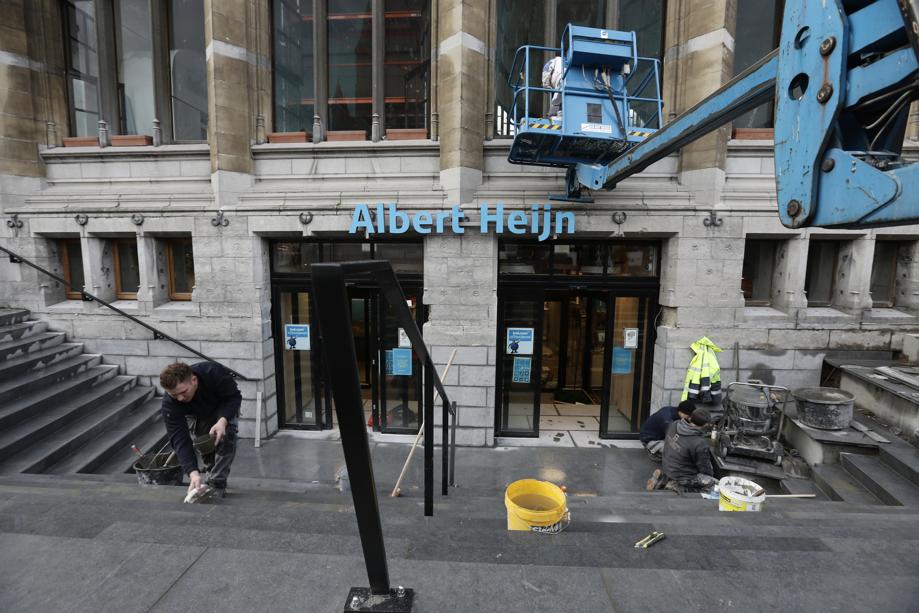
[(539, 221)]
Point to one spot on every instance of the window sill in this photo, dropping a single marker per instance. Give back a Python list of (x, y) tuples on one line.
[(764, 313), (66, 306), (128, 306), (347, 146), (826, 314), (177, 306), (173, 150), (888, 315)]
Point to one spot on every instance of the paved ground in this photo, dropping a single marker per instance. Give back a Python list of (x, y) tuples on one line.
[(286, 540)]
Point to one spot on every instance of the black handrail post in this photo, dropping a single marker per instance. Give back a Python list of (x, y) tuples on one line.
[(446, 450), (335, 322), (453, 444), (429, 438)]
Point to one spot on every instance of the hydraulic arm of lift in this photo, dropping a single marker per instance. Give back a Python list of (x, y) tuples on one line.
[(843, 78)]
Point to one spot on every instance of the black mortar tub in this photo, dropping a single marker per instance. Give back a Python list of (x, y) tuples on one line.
[(826, 408), (158, 469)]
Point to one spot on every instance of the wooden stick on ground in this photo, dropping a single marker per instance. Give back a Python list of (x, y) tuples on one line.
[(395, 489)]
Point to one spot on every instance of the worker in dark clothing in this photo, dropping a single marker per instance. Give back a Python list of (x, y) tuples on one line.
[(655, 427), (207, 393), (687, 460)]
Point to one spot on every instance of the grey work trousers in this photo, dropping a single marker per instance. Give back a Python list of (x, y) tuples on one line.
[(217, 464)]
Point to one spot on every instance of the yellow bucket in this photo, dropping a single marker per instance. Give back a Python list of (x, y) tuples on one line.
[(738, 494), (536, 506)]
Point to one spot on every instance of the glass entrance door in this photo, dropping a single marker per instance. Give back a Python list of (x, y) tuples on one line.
[(521, 375), (399, 369), (628, 390), (300, 362)]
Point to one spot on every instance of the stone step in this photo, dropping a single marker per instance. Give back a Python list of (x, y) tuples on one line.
[(903, 459), (21, 436), (881, 480), (35, 362), (9, 317), (150, 439), (834, 481), (115, 437), (86, 439), (801, 486), (51, 395), (21, 347), (60, 371), (21, 330)]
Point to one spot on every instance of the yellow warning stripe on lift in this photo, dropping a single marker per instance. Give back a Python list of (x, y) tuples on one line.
[(546, 126), (638, 133)]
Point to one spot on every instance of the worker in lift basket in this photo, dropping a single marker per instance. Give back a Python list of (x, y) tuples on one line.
[(687, 460), (202, 399), (552, 79), (655, 427)]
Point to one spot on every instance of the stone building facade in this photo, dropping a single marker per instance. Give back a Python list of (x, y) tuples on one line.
[(235, 200)]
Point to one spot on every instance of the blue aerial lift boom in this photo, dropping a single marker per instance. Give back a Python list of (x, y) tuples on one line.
[(843, 78)]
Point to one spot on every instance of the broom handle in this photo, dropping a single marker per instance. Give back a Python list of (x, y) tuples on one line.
[(420, 431)]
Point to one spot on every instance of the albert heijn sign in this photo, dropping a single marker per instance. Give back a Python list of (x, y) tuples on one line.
[(540, 220)]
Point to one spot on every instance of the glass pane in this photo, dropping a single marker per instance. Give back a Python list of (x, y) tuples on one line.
[(293, 66), (399, 404), (134, 41), (758, 267), (590, 13), (404, 257), (82, 67), (74, 264), (630, 344), (821, 272), (183, 266), (301, 406), (519, 384), (350, 67), (883, 272), (551, 344), (407, 63), (756, 35), (632, 261), (295, 257), (188, 67), (128, 268), (346, 252), (646, 19), (523, 258), (585, 259), (520, 22)]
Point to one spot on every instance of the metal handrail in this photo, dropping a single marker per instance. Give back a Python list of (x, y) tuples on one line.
[(15, 258)]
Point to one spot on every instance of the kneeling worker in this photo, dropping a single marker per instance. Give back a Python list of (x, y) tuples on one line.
[(655, 427), (209, 394), (687, 460)]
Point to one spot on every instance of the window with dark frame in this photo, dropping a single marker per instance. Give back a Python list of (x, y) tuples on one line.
[(524, 22), (180, 266), (72, 264), (757, 33), (820, 281), (127, 268), (361, 72), (758, 270), (884, 272), (130, 61)]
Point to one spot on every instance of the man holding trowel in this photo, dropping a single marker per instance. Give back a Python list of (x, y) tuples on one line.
[(687, 460), (207, 393)]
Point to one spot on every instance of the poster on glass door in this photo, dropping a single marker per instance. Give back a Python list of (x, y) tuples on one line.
[(522, 367), (297, 337), (519, 341)]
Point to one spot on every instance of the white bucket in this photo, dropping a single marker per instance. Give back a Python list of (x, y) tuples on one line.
[(736, 494)]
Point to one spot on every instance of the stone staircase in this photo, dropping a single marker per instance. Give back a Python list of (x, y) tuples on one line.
[(63, 411), (890, 478)]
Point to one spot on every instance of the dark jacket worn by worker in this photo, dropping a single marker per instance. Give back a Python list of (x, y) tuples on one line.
[(686, 452), (217, 396), (655, 427)]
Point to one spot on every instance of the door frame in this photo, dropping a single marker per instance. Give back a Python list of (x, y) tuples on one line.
[(537, 296)]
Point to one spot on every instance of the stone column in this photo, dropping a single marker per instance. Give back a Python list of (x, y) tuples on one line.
[(698, 61), (461, 83), (790, 273), (853, 275)]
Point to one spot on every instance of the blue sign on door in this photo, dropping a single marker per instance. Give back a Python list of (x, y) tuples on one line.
[(522, 367), (297, 337), (402, 362), (519, 341), (622, 360)]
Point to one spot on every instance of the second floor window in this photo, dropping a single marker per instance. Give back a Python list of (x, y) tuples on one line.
[(757, 33), (113, 50)]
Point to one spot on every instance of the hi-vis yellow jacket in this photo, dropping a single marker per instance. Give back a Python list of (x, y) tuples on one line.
[(703, 378)]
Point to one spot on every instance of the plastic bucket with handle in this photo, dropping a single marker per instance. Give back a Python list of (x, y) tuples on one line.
[(739, 494), (536, 506)]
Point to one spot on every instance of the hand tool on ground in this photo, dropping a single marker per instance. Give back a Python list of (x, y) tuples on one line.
[(649, 540)]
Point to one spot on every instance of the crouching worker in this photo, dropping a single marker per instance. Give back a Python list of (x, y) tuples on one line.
[(202, 399), (655, 427), (687, 461)]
